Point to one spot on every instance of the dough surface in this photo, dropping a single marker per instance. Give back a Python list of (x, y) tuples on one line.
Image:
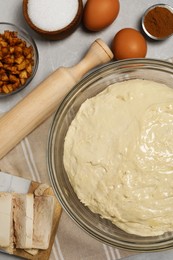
[(118, 155)]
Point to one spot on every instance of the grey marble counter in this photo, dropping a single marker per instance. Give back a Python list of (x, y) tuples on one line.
[(69, 51)]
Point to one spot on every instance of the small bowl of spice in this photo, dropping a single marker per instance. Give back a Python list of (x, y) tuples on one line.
[(55, 19), (157, 21), (18, 59)]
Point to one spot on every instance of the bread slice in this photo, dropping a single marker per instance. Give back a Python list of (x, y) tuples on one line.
[(23, 220), (6, 221), (43, 220), (32, 251)]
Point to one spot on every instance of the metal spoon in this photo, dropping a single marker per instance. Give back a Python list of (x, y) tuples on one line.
[(143, 21)]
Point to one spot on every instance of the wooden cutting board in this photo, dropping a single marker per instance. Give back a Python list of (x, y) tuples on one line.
[(25, 186)]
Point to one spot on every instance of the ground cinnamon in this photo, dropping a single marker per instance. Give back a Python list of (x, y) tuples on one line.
[(159, 22)]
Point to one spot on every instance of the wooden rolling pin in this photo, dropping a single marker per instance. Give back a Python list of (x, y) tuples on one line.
[(40, 103)]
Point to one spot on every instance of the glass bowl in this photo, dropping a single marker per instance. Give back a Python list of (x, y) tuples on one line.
[(24, 36), (101, 229)]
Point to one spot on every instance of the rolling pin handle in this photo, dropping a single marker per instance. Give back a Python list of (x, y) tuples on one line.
[(98, 54)]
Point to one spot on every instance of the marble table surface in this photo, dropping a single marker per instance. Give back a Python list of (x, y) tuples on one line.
[(67, 52)]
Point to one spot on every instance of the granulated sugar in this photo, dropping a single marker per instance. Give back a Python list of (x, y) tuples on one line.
[(52, 15)]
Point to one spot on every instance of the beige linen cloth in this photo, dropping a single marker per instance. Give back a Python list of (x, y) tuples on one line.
[(28, 160)]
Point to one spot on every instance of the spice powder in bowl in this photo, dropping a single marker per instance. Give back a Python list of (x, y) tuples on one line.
[(54, 19), (157, 21)]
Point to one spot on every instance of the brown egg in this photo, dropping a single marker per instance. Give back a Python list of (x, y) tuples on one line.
[(98, 14), (129, 43)]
